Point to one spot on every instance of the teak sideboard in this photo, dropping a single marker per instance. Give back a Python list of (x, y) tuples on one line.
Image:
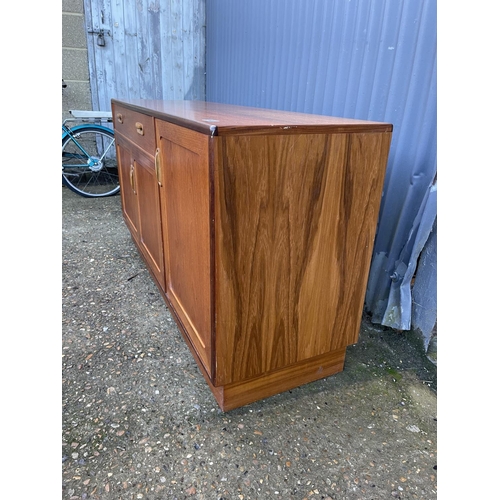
[(258, 228)]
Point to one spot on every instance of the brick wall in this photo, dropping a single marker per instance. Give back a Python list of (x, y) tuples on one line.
[(75, 69)]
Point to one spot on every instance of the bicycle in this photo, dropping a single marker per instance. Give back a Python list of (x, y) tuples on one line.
[(89, 166)]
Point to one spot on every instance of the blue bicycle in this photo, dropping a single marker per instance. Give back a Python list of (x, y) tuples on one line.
[(89, 166)]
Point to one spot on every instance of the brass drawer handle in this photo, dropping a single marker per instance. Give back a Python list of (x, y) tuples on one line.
[(158, 166), (119, 117), (139, 128)]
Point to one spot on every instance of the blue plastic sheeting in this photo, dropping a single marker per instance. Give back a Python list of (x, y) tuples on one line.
[(370, 59), (397, 309)]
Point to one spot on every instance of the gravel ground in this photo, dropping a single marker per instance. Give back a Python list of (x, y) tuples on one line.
[(139, 421)]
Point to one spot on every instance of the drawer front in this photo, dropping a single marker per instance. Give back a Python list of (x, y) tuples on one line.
[(136, 127)]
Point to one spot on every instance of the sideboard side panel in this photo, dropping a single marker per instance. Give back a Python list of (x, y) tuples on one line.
[(356, 185), (295, 219), (276, 213)]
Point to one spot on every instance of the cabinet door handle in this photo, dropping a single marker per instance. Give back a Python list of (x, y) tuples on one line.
[(132, 177), (119, 117), (158, 166), (139, 128)]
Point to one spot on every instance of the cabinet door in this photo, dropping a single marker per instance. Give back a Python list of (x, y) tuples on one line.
[(149, 215), (128, 192), (184, 184), (141, 204)]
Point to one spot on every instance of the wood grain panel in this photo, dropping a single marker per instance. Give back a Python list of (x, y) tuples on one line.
[(271, 206), (335, 304), (290, 216), (186, 231)]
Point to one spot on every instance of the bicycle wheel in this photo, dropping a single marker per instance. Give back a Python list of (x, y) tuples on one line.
[(89, 165)]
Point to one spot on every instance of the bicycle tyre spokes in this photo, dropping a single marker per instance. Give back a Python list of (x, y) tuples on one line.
[(89, 165)]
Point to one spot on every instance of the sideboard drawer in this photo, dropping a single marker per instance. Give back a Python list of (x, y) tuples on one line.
[(137, 127)]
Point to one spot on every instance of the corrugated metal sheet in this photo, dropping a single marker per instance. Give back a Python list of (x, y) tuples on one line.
[(363, 59)]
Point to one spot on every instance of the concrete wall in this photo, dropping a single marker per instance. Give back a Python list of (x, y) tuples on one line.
[(75, 68)]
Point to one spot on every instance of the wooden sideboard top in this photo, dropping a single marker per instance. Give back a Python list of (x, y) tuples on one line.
[(226, 119)]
